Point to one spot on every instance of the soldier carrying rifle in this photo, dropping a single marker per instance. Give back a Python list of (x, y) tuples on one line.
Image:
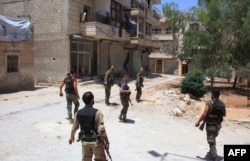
[(212, 116), (92, 131), (124, 97)]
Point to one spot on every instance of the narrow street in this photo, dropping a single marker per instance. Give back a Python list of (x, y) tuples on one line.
[(33, 127)]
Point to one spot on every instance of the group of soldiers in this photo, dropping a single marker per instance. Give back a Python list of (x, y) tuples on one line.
[(125, 91), (89, 119), (92, 133)]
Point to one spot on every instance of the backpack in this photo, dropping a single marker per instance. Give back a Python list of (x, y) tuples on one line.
[(69, 85)]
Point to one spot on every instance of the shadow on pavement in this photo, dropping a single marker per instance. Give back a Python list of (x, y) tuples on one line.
[(165, 155)]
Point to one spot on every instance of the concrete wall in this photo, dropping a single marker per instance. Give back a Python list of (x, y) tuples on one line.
[(113, 52), (24, 78), (102, 7)]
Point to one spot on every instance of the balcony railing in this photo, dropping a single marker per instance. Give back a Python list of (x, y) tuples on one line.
[(105, 19), (139, 4)]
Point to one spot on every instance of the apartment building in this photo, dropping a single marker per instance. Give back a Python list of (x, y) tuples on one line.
[(16, 55), (163, 59), (87, 35)]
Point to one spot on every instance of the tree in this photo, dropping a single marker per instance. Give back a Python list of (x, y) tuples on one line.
[(176, 20)]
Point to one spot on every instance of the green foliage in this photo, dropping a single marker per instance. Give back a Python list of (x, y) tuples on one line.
[(193, 84)]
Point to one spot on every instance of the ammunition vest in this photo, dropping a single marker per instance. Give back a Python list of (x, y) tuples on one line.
[(124, 86), (216, 115), (69, 85), (86, 118)]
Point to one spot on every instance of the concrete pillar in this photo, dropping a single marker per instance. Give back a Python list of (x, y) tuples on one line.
[(180, 68)]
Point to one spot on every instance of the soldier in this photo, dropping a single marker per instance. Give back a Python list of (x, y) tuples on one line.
[(108, 82), (72, 94), (139, 84), (213, 116), (124, 97), (93, 134)]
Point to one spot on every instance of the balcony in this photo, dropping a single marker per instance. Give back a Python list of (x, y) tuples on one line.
[(161, 55), (97, 26), (144, 40), (137, 12), (151, 19), (162, 37)]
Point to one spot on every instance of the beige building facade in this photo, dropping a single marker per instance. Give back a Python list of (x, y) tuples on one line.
[(16, 66), (163, 59), (87, 35)]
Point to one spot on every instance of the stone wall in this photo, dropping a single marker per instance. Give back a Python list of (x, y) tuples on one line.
[(23, 79)]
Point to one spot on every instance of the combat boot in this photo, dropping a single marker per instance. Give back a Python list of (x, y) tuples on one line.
[(124, 119), (120, 117)]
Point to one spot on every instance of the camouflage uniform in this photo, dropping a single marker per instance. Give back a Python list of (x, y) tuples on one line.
[(124, 97), (71, 95), (139, 85), (90, 142), (108, 82), (213, 124)]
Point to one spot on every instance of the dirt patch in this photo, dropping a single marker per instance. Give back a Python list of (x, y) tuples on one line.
[(235, 99)]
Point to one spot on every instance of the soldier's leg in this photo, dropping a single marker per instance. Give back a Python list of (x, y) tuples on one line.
[(76, 103), (140, 92), (87, 151), (69, 106), (107, 94), (125, 110), (99, 152), (211, 135)]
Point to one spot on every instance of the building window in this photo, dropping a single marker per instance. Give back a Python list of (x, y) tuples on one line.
[(156, 31), (116, 11), (168, 31), (12, 63), (148, 29)]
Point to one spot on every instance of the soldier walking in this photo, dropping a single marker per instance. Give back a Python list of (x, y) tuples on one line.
[(72, 94), (213, 116), (92, 131), (124, 97), (108, 83), (139, 84)]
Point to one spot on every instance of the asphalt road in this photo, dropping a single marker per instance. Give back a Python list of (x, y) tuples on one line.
[(33, 127)]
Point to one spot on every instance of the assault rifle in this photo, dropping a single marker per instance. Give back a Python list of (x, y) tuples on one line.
[(105, 146), (119, 85)]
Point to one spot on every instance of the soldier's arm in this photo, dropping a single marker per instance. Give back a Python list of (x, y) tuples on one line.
[(61, 86), (124, 91), (76, 89), (106, 78), (203, 115), (101, 128), (73, 131)]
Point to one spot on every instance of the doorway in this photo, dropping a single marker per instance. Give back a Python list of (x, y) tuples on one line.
[(81, 57), (159, 66)]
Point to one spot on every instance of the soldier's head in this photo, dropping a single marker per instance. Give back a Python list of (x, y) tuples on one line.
[(215, 93), (126, 77), (88, 98), (112, 68), (141, 70)]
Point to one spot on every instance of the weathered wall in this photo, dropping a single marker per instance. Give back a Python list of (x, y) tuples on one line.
[(24, 78), (49, 20), (114, 53)]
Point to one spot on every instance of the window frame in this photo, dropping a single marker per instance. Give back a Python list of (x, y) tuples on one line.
[(12, 66)]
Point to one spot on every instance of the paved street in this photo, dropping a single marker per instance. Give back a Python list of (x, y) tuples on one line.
[(33, 127)]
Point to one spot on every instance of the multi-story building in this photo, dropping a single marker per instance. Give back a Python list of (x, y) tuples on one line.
[(164, 59), (87, 35), (16, 55)]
